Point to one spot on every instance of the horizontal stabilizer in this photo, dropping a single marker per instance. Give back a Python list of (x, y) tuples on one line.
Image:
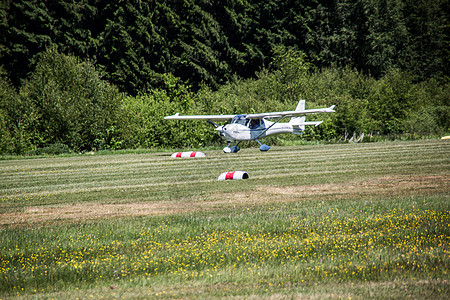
[(297, 121), (313, 123)]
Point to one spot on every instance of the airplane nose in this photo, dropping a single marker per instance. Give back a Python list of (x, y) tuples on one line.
[(220, 130)]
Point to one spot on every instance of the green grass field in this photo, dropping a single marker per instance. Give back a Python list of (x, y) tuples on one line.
[(325, 221)]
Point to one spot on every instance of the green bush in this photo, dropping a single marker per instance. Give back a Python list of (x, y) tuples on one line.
[(17, 120), (144, 125), (6, 140), (53, 149), (74, 106)]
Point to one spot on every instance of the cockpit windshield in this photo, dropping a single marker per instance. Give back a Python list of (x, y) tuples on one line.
[(240, 119), (250, 123)]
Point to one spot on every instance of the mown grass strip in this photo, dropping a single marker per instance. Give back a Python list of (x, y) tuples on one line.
[(144, 225)]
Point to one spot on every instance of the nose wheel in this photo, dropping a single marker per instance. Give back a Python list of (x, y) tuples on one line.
[(232, 149)]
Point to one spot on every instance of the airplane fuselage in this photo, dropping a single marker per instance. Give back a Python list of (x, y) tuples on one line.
[(238, 132)]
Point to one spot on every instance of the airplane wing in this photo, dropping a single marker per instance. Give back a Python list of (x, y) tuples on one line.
[(177, 116), (293, 113), (270, 115)]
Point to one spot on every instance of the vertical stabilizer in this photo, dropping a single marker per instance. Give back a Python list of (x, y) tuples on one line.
[(300, 105)]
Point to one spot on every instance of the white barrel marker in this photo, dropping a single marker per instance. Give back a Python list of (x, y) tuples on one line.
[(233, 175), (188, 154)]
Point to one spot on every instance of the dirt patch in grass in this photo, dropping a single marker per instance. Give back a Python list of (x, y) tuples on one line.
[(90, 211), (377, 187)]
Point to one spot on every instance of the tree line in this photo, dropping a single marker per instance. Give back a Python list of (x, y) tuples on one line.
[(135, 42), (67, 106), (95, 74)]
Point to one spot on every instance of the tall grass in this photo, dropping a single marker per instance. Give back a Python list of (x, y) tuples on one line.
[(329, 220)]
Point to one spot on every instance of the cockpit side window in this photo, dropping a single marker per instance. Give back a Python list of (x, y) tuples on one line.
[(254, 123)]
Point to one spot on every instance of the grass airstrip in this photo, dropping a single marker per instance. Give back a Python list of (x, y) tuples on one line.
[(315, 221)]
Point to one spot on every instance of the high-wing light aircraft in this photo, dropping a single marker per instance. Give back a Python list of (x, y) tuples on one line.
[(249, 127)]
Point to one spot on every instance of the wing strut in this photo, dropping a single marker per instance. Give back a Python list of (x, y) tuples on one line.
[(264, 147)]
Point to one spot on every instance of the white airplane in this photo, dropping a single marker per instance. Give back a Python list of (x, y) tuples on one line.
[(255, 126)]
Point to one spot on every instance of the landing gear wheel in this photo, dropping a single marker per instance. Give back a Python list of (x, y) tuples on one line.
[(264, 147), (235, 149)]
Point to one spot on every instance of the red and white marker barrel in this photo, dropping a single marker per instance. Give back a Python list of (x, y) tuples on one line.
[(233, 175), (188, 154)]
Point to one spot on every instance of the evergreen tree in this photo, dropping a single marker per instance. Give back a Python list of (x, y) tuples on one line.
[(136, 42), (429, 28), (25, 31)]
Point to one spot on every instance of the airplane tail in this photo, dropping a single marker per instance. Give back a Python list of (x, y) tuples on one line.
[(298, 123)]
